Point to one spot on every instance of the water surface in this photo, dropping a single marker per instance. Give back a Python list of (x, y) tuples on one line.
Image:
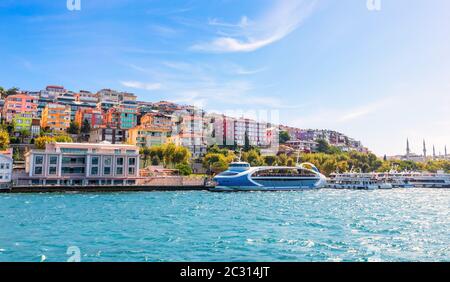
[(322, 225)]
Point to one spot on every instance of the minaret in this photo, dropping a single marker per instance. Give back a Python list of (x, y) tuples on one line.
[(434, 152), (408, 151), (424, 150), (445, 151)]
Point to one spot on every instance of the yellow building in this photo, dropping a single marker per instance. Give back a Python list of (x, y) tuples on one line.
[(56, 117), (147, 136)]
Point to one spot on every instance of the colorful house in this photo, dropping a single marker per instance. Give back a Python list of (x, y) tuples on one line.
[(157, 120), (147, 136), (19, 103), (56, 117), (22, 121), (93, 116), (121, 117)]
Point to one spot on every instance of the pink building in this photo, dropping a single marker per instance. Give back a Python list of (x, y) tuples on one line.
[(19, 103)]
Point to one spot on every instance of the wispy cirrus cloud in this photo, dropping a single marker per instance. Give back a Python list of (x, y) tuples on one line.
[(248, 35), (141, 85)]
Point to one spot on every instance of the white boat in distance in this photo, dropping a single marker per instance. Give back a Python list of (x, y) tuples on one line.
[(361, 181)]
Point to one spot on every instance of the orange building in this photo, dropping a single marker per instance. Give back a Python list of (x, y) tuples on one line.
[(93, 116), (157, 120), (19, 103), (56, 117)]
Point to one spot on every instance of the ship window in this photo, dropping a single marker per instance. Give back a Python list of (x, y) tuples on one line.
[(228, 173)]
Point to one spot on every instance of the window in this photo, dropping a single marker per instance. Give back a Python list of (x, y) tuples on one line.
[(52, 170), (94, 170), (131, 170), (2, 166), (39, 160), (119, 170), (132, 161), (107, 161), (95, 160), (119, 161), (53, 160), (38, 170), (107, 171), (117, 151)]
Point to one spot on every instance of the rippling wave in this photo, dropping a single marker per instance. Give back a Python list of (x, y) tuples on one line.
[(323, 225)]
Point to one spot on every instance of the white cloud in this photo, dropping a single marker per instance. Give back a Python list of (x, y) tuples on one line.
[(364, 110), (282, 19), (141, 85)]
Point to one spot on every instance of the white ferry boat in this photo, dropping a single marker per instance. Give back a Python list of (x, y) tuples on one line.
[(429, 180), (397, 179), (352, 180), (242, 177)]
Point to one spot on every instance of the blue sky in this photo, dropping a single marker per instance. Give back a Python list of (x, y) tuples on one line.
[(379, 76)]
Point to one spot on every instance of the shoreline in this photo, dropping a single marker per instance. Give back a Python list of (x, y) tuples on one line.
[(100, 189)]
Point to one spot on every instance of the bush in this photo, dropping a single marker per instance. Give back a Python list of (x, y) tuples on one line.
[(184, 169)]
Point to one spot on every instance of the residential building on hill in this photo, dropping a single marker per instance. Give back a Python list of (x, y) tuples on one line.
[(35, 127), (93, 116), (22, 121), (157, 120), (19, 103), (111, 135), (56, 117), (147, 136), (121, 117)]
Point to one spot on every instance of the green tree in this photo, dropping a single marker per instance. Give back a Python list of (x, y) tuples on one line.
[(215, 163), (85, 127), (284, 137), (145, 155), (253, 157), (155, 160), (246, 142), (181, 155), (282, 159), (184, 169), (11, 91), (74, 128), (4, 140), (270, 160), (323, 146), (41, 141), (24, 133), (63, 139)]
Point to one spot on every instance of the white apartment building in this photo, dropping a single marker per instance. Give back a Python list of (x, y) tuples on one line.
[(6, 167), (82, 164)]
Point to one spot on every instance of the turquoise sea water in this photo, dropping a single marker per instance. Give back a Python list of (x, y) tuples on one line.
[(323, 225)]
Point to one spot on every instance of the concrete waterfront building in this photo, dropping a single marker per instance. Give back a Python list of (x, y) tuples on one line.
[(6, 167), (82, 164), (19, 103), (56, 117)]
